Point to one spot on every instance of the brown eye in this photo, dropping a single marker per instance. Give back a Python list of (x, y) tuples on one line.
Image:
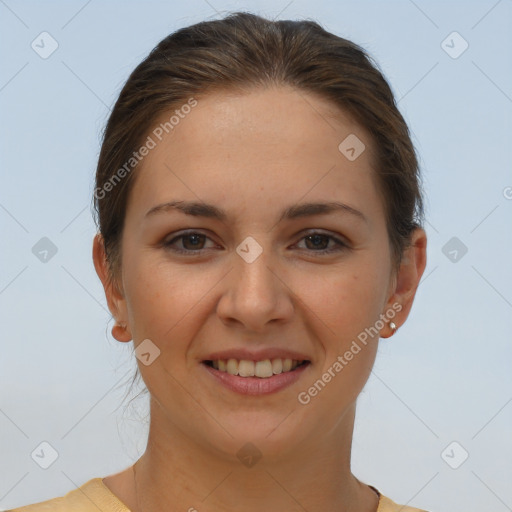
[(319, 243), (187, 243), (193, 241)]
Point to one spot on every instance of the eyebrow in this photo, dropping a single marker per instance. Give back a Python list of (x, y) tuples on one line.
[(200, 209)]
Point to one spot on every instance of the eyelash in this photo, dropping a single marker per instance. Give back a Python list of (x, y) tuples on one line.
[(341, 246)]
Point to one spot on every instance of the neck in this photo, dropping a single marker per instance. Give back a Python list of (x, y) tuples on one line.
[(178, 473)]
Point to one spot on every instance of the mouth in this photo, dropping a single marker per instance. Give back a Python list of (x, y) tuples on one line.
[(260, 377), (261, 369)]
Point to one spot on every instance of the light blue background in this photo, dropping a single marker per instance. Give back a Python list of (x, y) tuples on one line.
[(446, 376)]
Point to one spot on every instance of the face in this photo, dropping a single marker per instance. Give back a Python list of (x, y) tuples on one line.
[(257, 275)]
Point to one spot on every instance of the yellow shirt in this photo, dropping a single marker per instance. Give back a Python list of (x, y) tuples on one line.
[(94, 495)]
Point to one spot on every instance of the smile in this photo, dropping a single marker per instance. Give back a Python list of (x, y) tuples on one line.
[(263, 377), (261, 369)]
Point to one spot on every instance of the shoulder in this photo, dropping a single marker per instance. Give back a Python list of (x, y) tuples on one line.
[(92, 496), (388, 505)]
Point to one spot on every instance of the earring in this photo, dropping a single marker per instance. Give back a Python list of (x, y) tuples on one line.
[(393, 327)]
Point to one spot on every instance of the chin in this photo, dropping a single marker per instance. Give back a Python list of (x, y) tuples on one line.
[(271, 433)]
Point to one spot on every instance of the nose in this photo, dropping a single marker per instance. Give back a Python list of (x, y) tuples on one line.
[(255, 295)]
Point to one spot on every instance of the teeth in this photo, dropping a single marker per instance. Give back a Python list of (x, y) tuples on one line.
[(246, 368), (261, 369), (232, 366), (287, 365), (277, 366)]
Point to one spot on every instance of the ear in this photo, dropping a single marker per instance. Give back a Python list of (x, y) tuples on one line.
[(115, 298), (406, 281)]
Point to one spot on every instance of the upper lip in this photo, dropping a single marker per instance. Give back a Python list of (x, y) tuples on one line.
[(260, 355)]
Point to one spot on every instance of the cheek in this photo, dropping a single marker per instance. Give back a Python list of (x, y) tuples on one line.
[(345, 307), (162, 298), (346, 300)]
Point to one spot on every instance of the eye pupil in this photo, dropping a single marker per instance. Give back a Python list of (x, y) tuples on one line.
[(317, 238), (197, 239)]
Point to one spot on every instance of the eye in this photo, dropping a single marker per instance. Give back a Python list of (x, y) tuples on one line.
[(318, 242), (193, 242)]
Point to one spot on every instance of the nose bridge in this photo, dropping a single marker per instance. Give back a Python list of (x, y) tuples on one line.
[(253, 281), (255, 295)]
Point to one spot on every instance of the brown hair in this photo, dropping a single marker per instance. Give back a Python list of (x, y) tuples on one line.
[(242, 51)]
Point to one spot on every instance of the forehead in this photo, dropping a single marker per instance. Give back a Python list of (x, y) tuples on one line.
[(256, 148)]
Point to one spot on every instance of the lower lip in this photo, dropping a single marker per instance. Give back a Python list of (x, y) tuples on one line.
[(256, 385)]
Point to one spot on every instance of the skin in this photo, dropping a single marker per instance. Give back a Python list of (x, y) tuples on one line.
[(253, 154)]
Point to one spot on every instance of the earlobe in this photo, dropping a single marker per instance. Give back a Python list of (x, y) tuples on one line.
[(406, 281), (389, 329), (121, 333)]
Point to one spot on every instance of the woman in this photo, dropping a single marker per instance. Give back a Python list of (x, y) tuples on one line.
[(259, 215)]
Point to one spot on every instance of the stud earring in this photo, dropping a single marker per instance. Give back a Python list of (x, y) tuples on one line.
[(393, 327)]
